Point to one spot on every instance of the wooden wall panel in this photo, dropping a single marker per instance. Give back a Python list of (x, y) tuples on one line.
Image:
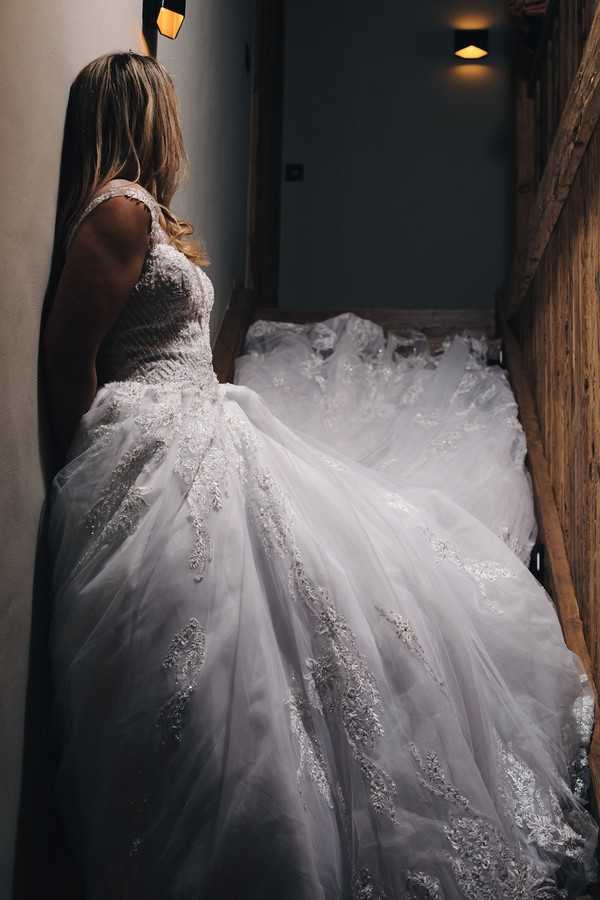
[(578, 119), (565, 29), (559, 331)]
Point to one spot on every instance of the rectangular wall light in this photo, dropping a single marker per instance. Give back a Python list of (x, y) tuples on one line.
[(471, 43), (170, 17)]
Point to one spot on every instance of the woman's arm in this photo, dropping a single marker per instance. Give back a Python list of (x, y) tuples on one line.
[(102, 266)]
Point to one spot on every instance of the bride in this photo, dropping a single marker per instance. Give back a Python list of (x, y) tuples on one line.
[(279, 670)]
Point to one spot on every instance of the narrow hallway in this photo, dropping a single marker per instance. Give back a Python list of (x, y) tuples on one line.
[(401, 210)]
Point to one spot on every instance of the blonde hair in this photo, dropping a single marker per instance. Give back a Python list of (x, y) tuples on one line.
[(123, 114)]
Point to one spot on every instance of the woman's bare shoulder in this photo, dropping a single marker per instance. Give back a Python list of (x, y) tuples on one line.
[(118, 225)]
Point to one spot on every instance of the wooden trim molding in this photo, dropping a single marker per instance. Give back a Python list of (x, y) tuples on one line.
[(150, 9), (578, 121), (560, 585), (265, 164), (231, 334), (433, 322)]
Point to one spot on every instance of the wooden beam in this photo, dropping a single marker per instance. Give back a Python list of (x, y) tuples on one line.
[(433, 322), (436, 324), (524, 169), (577, 124), (265, 165), (150, 9), (561, 585)]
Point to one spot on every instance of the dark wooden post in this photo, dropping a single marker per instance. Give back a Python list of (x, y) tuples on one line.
[(264, 189), (149, 13), (524, 181)]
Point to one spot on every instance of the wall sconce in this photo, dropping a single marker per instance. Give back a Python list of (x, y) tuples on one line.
[(471, 43), (170, 17)]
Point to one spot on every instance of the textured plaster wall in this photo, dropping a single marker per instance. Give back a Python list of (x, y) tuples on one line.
[(44, 46)]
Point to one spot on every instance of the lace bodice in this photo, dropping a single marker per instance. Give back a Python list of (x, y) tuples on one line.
[(162, 334)]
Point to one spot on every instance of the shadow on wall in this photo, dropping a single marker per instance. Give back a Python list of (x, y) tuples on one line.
[(44, 866)]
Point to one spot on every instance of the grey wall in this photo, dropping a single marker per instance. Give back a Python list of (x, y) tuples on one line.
[(406, 151), (45, 46), (207, 62)]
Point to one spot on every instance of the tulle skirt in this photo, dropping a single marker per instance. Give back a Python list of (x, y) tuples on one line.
[(443, 419), (280, 673)]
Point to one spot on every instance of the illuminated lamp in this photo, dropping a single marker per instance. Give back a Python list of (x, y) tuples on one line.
[(471, 43), (170, 17)]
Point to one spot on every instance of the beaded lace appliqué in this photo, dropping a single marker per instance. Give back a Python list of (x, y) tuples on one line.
[(422, 886), (312, 762), (486, 868), (346, 688), (536, 810), (204, 454), (433, 777), (365, 888), (202, 463), (407, 634), (119, 488), (184, 660), (482, 571), (122, 503), (584, 714)]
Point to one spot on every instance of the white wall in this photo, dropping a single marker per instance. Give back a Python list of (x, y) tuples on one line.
[(407, 183), (207, 62), (45, 44)]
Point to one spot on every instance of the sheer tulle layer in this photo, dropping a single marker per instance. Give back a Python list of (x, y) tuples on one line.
[(437, 420), (279, 674)]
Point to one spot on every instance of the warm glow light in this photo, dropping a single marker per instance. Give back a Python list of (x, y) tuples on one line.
[(471, 52), (169, 23), (471, 73), (473, 22), (471, 43)]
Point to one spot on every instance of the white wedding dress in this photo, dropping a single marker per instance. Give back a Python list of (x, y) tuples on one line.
[(281, 673), (446, 421)]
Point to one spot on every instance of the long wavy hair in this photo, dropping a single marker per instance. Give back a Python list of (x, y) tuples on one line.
[(123, 115)]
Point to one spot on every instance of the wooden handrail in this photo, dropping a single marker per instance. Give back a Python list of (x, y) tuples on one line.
[(577, 124), (561, 585)]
